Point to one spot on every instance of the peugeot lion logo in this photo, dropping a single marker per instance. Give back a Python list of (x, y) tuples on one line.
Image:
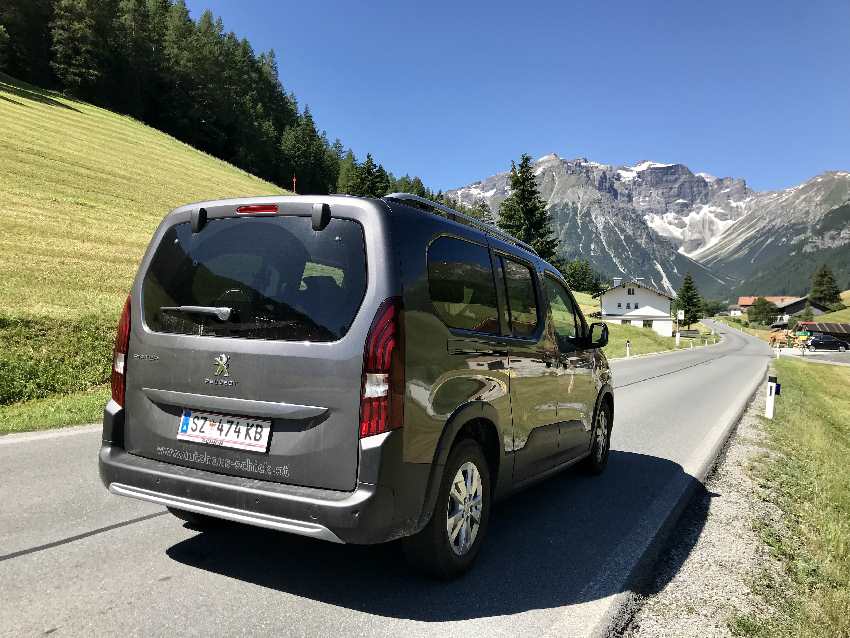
[(222, 366), (221, 372)]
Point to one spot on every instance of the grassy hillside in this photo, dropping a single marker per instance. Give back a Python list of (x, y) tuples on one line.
[(81, 191), (840, 316), (586, 302)]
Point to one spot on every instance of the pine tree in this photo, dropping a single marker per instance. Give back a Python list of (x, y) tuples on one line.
[(807, 314), (370, 179), (135, 59), (523, 213), (75, 56), (27, 24), (381, 183), (4, 47), (481, 210), (824, 288), (347, 174), (307, 153), (689, 300), (762, 311), (580, 276)]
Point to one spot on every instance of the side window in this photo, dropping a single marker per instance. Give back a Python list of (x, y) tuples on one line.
[(460, 278), (522, 301), (564, 318)]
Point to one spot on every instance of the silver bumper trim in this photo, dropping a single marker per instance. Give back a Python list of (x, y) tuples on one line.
[(302, 528)]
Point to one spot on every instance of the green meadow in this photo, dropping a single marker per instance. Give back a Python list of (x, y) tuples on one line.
[(81, 191)]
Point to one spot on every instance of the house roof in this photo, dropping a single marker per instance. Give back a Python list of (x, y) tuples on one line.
[(813, 304), (832, 328), (630, 283), (748, 300)]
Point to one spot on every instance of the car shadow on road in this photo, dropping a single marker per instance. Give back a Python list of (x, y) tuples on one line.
[(558, 543)]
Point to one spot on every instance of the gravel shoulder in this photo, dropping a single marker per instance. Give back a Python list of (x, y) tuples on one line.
[(705, 578)]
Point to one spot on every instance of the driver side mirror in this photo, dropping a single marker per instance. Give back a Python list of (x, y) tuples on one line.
[(597, 335)]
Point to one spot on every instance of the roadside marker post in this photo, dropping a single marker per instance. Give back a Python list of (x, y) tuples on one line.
[(628, 348), (677, 338), (773, 388)]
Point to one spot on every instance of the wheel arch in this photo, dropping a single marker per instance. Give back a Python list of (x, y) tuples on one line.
[(478, 421)]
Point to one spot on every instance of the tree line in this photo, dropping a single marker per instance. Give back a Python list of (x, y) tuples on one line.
[(189, 78)]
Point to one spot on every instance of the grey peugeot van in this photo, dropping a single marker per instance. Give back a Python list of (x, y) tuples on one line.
[(355, 370)]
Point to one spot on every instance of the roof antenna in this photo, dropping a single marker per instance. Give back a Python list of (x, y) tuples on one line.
[(321, 216), (199, 220)]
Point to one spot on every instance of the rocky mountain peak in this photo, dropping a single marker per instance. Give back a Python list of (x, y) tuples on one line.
[(660, 220)]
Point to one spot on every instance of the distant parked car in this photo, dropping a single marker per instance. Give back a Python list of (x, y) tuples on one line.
[(827, 342)]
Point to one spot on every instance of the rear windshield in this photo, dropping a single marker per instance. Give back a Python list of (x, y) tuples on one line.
[(257, 278)]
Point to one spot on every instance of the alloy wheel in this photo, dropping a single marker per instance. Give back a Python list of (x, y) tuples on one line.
[(601, 435), (463, 514)]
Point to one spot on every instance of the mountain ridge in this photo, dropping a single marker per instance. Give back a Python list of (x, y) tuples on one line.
[(661, 220)]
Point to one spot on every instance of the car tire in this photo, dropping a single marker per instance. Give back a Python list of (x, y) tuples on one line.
[(198, 521), (601, 446), (841, 348), (434, 550)]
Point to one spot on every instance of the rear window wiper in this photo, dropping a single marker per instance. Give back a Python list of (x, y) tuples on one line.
[(222, 313)]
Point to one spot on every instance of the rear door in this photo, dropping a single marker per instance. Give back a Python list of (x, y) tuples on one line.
[(533, 371), (577, 387), (287, 350)]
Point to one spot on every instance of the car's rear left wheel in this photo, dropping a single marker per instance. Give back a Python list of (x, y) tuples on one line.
[(448, 545)]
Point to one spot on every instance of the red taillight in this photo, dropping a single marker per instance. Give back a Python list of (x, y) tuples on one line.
[(256, 209), (119, 355), (382, 392)]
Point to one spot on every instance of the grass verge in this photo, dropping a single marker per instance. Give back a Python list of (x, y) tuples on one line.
[(643, 341), (808, 476), (55, 410)]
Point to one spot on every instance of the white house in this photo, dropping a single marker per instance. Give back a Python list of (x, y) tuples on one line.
[(631, 301)]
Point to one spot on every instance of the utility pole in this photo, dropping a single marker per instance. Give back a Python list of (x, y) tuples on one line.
[(293, 185)]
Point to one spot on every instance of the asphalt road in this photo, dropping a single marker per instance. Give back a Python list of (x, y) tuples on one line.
[(75, 560)]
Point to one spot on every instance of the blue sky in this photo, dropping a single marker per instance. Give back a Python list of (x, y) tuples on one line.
[(452, 91)]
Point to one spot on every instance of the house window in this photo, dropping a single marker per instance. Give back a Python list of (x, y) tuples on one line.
[(647, 323), (619, 305), (627, 322), (628, 306), (636, 305), (630, 291)]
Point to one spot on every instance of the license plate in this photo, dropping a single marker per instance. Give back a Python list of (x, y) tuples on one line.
[(224, 431)]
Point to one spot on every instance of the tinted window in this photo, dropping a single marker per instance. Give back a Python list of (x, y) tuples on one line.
[(522, 301), (460, 278), (564, 319), (278, 278)]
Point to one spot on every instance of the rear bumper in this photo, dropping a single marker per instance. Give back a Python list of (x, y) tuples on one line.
[(374, 512), (302, 528)]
